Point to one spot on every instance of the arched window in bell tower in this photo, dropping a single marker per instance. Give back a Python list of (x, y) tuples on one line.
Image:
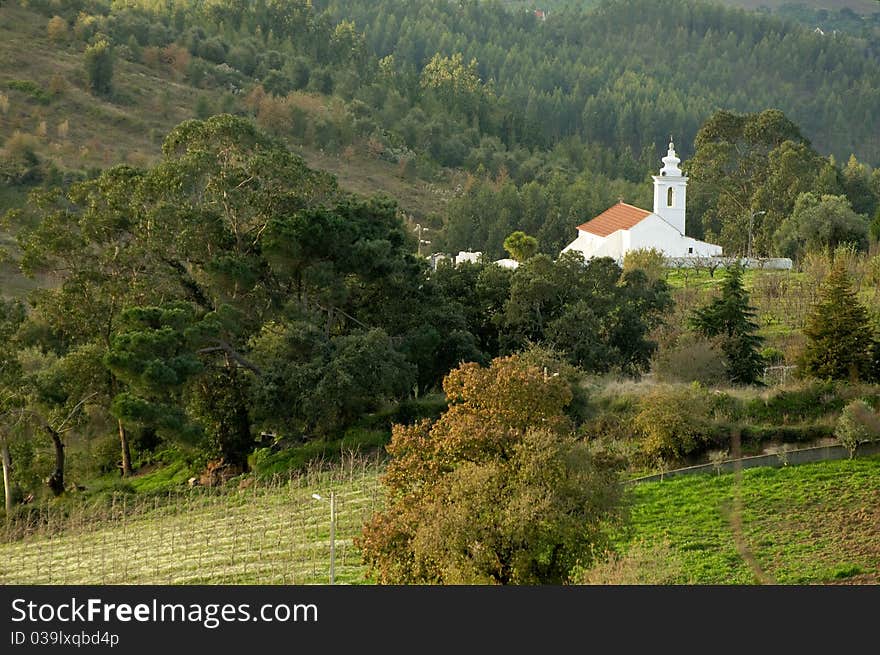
[(669, 197)]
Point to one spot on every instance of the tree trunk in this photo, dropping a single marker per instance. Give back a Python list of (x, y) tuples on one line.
[(7, 476), (126, 451), (56, 480)]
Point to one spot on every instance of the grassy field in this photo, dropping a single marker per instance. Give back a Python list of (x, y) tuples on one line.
[(815, 523), (275, 534)]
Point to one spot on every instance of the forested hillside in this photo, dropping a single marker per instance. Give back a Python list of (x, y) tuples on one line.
[(630, 72), (552, 119), (215, 216)]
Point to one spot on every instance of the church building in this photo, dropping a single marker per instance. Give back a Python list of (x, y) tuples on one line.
[(622, 227)]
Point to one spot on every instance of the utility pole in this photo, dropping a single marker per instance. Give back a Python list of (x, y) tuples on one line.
[(332, 537), (332, 533)]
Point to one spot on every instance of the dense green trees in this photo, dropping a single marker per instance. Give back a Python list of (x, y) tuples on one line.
[(168, 276), (574, 74), (534, 108), (229, 291), (821, 224), (488, 211), (597, 316), (738, 158)]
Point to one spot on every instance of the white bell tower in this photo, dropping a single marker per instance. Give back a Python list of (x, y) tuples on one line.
[(670, 189)]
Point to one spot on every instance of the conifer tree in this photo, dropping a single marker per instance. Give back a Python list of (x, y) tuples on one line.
[(839, 337), (99, 67), (730, 318)]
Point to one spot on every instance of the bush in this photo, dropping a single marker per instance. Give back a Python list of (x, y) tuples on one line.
[(773, 356), (57, 85), (674, 421), (808, 402), (31, 89), (756, 435), (649, 260), (857, 424), (57, 29), (203, 108), (106, 454), (691, 359)]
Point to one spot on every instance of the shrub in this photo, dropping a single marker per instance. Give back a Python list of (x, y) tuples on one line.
[(857, 424), (31, 89), (177, 58), (85, 26), (803, 403), (773, 356), (717, 458), (57, 85), (20, 163), (756, 435), (691, 359), (57, 29), (105, 454), (649, 260), (203, 108), (273, 114), (673, 421), (151, 57)]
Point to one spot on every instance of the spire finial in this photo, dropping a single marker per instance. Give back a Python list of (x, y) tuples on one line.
[(671, 161)]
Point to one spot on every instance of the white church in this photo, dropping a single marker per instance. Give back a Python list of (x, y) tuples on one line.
[(622, 227)]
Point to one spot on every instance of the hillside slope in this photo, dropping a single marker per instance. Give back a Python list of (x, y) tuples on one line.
[(808, 524), (814, 523), (261, 535), (80, 131)]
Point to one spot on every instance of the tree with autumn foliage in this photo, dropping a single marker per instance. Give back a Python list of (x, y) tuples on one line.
[(497, 490)]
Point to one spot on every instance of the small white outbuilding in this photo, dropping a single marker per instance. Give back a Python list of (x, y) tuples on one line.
[(622, 227)]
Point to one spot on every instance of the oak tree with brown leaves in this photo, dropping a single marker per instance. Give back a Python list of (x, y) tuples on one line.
[(497, 491)]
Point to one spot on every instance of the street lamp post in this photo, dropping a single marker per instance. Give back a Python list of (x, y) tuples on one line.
[(752, 214), (332, 534)]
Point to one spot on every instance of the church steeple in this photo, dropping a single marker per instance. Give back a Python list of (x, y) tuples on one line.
[(670, 188)]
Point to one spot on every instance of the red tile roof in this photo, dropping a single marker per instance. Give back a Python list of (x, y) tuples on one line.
[(618, 217)]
